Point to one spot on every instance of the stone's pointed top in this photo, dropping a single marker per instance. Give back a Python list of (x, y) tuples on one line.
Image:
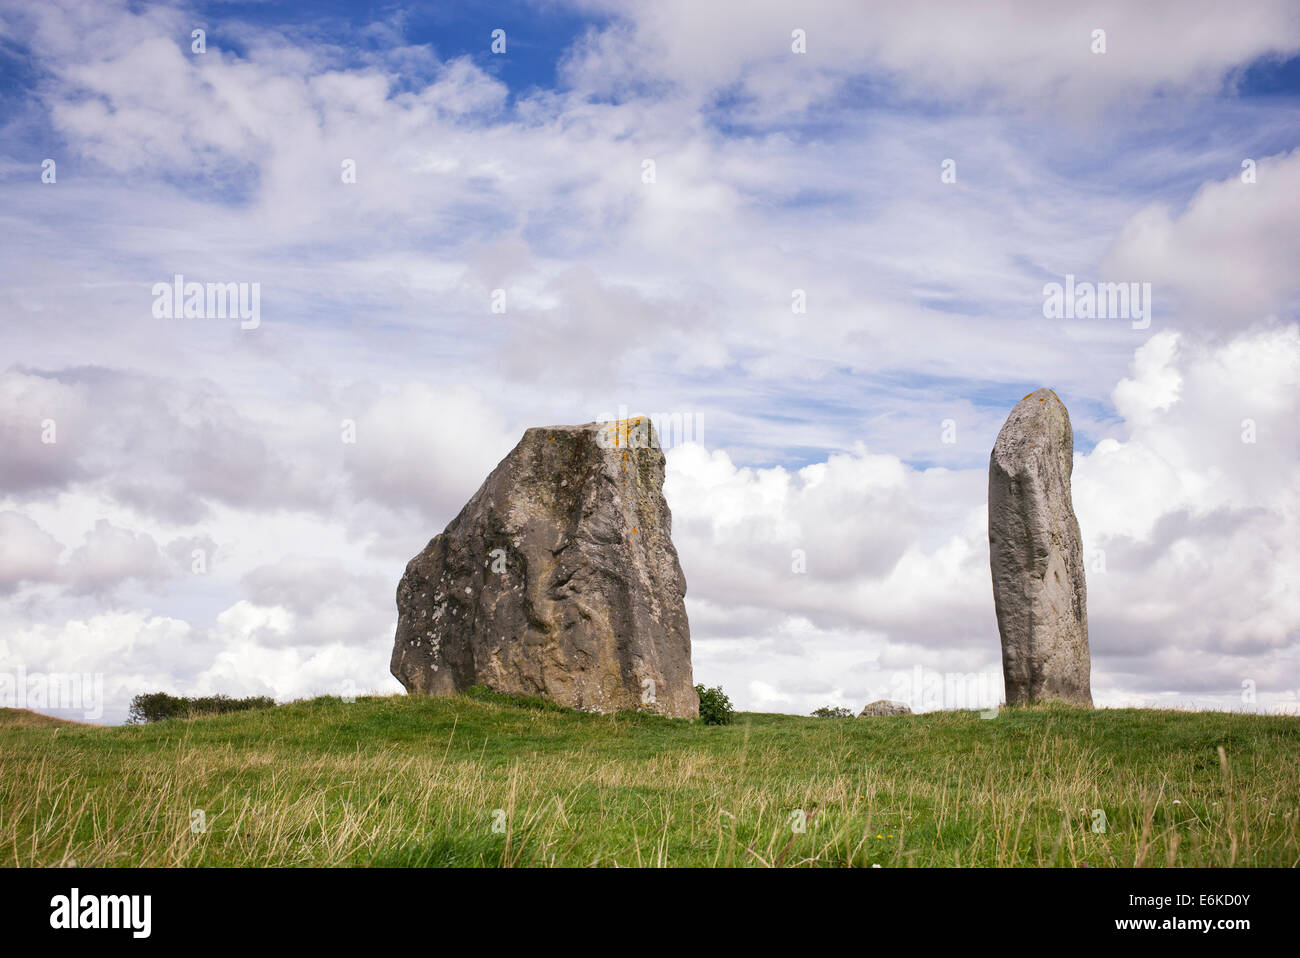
[(1042, 394), (1037, 426), (588, 427), (576, 427), (635, 432)]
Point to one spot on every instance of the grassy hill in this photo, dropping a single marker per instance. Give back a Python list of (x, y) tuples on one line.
[(486, 780), (26, 718)]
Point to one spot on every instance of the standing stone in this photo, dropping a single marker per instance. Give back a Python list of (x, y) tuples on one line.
[(558, 579), (1036, 555)]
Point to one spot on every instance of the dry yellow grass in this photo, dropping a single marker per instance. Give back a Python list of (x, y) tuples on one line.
[(462, 781)]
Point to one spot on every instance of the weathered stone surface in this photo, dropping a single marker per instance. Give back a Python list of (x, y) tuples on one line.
[(1036, 555), (558, 579), (884, 707)]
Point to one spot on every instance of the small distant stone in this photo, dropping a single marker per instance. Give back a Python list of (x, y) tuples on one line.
[(884, 707)]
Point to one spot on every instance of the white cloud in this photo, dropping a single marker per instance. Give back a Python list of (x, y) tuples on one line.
[(1031, 55), (1225, 260), (426, 449), (27, 552), (109, 555), (36, 412), (130, 652)]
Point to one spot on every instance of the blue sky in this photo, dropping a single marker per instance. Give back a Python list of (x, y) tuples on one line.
[(538, 33), (775, 172)]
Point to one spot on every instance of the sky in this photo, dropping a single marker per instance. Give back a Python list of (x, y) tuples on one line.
[(821, 231)]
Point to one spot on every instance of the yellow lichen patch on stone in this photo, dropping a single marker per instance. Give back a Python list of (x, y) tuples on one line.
[(1025, 396), (621, 428)]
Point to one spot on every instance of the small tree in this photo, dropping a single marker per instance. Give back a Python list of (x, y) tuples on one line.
[(833, 711), (715, 707)]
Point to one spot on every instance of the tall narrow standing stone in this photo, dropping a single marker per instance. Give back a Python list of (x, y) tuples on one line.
[(1037, 557)]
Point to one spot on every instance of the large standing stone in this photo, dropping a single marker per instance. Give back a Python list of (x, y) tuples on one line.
[(1036, 555), (558, 579)]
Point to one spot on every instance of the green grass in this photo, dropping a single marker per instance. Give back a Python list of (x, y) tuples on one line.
[(419, 781)]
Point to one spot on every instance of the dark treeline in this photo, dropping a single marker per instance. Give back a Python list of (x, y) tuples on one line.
[(156, 706)]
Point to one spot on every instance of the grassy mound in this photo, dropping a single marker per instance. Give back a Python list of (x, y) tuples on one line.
[(26, 718), (482, 779)]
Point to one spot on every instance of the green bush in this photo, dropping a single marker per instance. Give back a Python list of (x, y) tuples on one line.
[(156, 706), (833, 711), (715, 707)]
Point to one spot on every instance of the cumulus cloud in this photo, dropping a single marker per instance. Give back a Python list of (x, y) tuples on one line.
[(124, 653), (329, 601), (859, 568), (1227, 257), (34, 410), (107, 557), (85, 424), (1204, 489), (110, 555), (27, 552), (426, 449)]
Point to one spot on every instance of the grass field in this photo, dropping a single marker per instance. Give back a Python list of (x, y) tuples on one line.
[(490, 781)]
